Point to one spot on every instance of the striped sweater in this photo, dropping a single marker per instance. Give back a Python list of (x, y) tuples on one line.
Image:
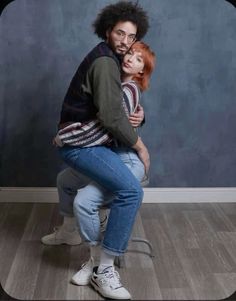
[(92, 133)]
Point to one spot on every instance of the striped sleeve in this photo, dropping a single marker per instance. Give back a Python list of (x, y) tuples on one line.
[(131, 97)]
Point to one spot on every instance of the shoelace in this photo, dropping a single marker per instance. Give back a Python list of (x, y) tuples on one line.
[(114, 278), (56, 230)]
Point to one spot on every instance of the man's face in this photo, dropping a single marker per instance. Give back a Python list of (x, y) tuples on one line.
[(122, 36)]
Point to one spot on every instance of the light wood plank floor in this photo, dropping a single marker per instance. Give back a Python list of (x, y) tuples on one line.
[(194, 247)]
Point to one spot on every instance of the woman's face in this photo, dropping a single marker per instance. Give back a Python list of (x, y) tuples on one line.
[(133, 62)]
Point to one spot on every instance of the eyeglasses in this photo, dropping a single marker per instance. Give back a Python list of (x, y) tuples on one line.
[(120, 34)]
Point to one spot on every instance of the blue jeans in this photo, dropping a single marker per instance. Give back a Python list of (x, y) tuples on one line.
[(91, 198), (105, 167), (69, 181)]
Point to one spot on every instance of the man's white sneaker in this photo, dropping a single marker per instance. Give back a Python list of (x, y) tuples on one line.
[(108, 284), (61, 236), (82, 277)]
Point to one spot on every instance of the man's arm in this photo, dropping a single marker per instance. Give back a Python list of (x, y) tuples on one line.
[(104, 77)]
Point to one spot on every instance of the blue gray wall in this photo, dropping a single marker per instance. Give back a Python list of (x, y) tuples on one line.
[(190, 108)]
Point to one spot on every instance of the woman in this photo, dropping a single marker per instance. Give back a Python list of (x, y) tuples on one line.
[(137, 66)]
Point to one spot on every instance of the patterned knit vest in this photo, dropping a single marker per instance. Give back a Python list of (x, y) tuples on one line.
[(78, 106), (92, 133)]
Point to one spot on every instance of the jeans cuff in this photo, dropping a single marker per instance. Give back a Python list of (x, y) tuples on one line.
[(113, 253)]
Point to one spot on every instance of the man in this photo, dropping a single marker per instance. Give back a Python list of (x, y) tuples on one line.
[(119, 25)]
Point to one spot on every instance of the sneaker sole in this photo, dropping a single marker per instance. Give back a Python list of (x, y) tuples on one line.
[(79, 283), (97, 288), (58, 243)]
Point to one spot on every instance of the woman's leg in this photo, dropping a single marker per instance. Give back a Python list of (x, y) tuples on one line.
[(106, 168)]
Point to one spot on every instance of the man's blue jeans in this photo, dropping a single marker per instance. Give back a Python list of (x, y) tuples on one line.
[(105, 167)]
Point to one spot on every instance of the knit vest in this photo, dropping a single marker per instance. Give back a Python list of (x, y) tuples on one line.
[(92, 133), (78, 106)]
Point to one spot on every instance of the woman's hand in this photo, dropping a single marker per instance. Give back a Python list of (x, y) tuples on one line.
[(57, 141), (143, 154), (137, 118)]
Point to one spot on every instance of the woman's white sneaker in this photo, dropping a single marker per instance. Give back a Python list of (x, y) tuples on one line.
[(108, 284), (82, 277)]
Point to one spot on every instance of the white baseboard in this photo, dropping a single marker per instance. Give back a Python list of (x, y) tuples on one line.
[(151, 195)]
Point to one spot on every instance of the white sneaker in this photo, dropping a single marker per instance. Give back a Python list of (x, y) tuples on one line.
[(61, 236), (82, 277), (108, 284)]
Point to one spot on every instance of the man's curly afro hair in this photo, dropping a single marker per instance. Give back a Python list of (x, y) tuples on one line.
[(121, 11)]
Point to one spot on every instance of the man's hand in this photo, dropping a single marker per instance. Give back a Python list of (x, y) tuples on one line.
[(136, 118)]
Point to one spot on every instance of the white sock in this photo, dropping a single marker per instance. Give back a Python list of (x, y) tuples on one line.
[(106, 260), (69, 223), (95, 253)]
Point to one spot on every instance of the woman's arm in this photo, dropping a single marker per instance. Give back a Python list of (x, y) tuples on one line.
[(137, 118), (131, 104), (143, 154)]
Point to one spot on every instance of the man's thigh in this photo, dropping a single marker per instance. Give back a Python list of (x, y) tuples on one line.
[(103, 166), (100, 196)]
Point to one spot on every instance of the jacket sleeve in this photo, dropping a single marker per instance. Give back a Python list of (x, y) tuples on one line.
[(104, 78)]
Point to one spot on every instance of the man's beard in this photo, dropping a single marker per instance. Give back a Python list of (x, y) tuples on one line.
[(118, 49), (122, 50)]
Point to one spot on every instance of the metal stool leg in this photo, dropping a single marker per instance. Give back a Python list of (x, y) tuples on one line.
[(119, 261), (147, 242)]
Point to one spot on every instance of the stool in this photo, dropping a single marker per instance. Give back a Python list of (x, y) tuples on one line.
[(120, 260)]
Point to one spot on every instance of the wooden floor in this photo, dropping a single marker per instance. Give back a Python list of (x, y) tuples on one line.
[(194, 246)]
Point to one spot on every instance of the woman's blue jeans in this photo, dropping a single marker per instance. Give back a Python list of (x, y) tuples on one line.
[(105, 167)]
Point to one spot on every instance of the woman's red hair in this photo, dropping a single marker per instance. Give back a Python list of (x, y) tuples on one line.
[(149, 63)]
